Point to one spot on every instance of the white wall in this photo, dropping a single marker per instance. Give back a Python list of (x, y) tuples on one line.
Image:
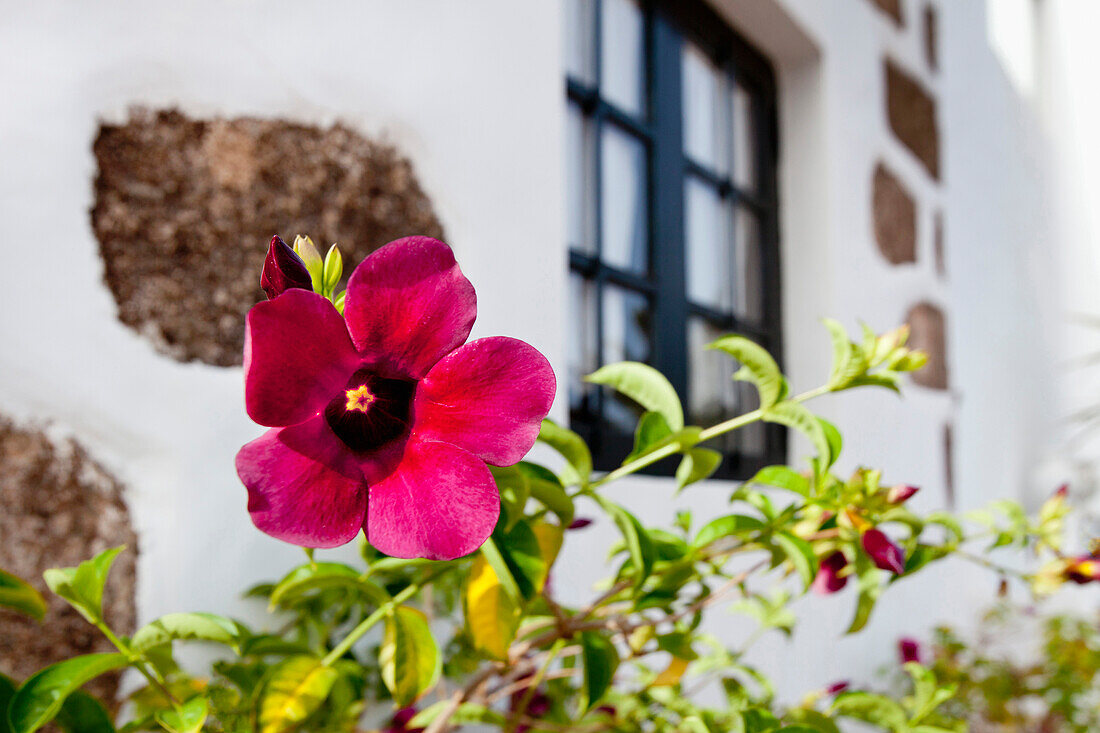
[(473, 92)]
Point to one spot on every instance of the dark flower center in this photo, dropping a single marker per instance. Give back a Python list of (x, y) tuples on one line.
[(371, 411)]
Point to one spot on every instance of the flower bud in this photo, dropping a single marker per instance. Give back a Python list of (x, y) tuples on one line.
[(901, 493), (837, 687), (579, 523), (315, 266), (283, 270), (883, 552), (1084, 569), (828, 579), (908, 650), (333, 269)]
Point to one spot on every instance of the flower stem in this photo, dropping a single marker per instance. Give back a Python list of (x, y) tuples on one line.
[(137, 661), (712, 432), (366, 624)]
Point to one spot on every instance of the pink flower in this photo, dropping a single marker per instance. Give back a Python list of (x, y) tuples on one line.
[(283, 270), (909, 650), (883, 552), (399, 723), (382, 418), (828, 579)]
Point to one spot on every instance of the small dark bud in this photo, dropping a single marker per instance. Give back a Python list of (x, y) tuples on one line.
[(283, 270), (909, 650), (580, 523), (837, 687), (900, 493), (883, 552)]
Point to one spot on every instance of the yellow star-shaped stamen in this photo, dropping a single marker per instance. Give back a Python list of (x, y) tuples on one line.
[(359, 398)]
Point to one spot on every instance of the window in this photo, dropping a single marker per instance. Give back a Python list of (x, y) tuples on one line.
[(672, 226)]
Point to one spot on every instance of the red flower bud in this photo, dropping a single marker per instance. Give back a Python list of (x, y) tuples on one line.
[(909, 650), (1062, 492), (883, 552), (900, 493), (283, 270), (579, 523), (400, 721), (828, 578), (837, 687)]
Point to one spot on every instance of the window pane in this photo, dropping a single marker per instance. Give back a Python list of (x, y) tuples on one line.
[(627, 336), (623, 195), (622, 63), (744, 155), (580, 180), (751, 439), (706, 111), (712, 393), (580, 39), (582, 358), (706, 228), (750, 296)]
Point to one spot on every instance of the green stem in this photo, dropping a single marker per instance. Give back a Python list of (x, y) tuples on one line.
[(493, 556), (712, 432), (521, 709), (138, 662), (366, 624)]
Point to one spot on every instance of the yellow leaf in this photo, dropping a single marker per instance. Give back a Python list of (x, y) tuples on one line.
[(490, 613), (296, 689), (672, 673), (549, 537)]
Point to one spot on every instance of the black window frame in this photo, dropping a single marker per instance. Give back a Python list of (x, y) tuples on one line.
[(668, 24)]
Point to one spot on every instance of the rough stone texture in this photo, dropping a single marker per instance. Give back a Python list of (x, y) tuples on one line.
[(938, 245), (185, 208), (59, 509), (912, 115), (926, 322), (895, 217), (893, 9), (931, 33)]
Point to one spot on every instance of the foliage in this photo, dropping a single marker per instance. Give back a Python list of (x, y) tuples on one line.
[(483, 639)]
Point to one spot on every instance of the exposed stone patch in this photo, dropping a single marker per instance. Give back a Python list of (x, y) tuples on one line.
[(59, 509), (185, 208), (912, 115), (895, 217), (892, 8), (931, 32), (927, 325)]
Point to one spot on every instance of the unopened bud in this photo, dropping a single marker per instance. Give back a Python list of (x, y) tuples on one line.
[(283, 270), (901, 493), (883, 552)]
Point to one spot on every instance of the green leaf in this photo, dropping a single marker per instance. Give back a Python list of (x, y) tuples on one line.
[(870, 587), (188, 718), (800, 555), (7, 691), (82, 713), (727, 526), (295, 689), (548, 491), (816, 721), (645, 385), (41, 697), (492, 615), (842, 351), (871, 708), (697, 464), (652, 430), (515, 488), (638, 544), (317, 576), (197, 626), (782, 477), (572, 448), (467, 712), (794, 415), (600, 662), (758, 367), (886, 379), (82, 586), (833, 438), (520, 549), (927, 694), (409, 657), (18, 595)]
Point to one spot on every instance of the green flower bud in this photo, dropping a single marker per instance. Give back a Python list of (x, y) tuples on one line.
[(304, 248)]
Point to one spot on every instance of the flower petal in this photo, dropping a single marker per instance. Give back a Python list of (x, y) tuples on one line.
[(439, 503), (488, 397), (297, 356), (304, 487), (408, 305)]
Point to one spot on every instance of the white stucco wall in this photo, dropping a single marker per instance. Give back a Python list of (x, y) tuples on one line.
[(473, 93)]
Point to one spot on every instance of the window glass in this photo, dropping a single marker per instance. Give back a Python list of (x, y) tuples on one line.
[(622, 63), (712, 393), (580, 39), (744, 155), (627, 336), (706, 111), (580, 180), (623, 196), (709, 255), (750, 300), (583, 356)]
